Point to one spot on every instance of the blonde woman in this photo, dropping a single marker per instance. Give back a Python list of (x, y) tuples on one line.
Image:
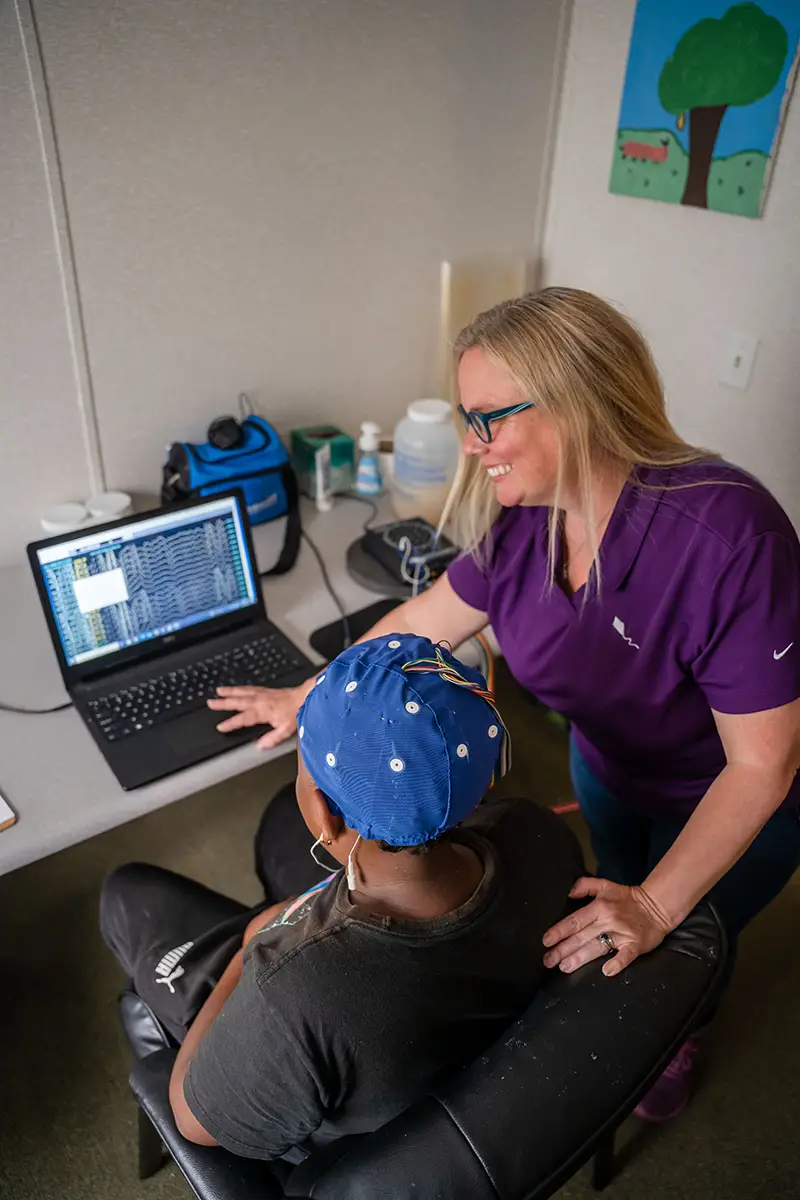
[(649, 592)]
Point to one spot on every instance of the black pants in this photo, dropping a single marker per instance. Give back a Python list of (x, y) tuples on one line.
[(174, 937)]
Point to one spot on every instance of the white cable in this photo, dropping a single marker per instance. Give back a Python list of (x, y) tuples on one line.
[(422, 572), (419, 580)]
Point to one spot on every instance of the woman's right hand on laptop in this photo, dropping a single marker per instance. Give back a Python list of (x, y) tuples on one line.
[(277, 707)]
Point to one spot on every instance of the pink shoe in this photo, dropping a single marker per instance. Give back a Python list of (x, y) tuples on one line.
[(669, 1094)]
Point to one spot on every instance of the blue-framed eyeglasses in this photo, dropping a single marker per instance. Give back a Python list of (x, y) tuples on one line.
[(480, 422)]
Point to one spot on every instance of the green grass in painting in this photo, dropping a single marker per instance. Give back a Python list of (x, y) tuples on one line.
[(734, 183)]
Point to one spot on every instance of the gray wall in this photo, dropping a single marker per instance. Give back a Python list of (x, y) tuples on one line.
[(42, 456), (260, 193)]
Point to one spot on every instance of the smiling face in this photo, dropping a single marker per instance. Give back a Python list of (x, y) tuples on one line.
[(522, 458)]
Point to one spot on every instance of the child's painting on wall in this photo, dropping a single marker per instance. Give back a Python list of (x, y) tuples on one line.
[(706, 89)]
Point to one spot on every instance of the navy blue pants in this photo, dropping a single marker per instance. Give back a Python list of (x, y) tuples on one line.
[(627, 845)]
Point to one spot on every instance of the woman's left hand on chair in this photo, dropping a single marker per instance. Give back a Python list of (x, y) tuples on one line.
[(628, 915)]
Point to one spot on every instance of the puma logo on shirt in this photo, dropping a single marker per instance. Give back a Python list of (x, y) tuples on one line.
[(168, 970), (170, 979)]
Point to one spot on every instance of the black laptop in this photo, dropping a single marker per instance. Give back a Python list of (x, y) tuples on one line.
[(148, 616)]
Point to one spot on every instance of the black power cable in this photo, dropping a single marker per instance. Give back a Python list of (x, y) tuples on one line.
[(363, 500), (34, 712), (347, 636)]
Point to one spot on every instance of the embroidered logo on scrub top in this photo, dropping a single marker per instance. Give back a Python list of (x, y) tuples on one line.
[(620, 628)]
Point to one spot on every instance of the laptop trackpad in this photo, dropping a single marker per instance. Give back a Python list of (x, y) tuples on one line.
[(198, 731)]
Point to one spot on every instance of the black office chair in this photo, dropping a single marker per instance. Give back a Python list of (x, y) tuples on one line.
[(515, 1124)]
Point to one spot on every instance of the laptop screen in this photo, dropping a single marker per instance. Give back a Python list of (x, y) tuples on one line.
[(144, 579)]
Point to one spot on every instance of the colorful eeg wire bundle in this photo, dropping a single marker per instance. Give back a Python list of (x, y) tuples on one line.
[(448, 672)]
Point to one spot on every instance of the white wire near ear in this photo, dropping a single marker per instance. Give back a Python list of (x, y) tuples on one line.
[(312, 852), (422, 571), (351, 866)]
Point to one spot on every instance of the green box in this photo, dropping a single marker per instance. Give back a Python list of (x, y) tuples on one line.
[(305, 444)]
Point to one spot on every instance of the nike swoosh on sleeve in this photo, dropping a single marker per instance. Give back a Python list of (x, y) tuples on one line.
[(776, 655)]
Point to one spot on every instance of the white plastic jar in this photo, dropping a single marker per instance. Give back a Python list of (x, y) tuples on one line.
[(426, 450)]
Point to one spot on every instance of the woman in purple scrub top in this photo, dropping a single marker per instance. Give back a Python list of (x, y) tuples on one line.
[(645, 589)]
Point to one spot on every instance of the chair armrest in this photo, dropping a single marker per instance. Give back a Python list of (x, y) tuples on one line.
[(212, 1173)]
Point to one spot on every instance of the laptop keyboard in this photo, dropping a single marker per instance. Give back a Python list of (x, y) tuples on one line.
[(261, 662)]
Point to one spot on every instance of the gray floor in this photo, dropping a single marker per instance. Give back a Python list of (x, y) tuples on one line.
[(68, 1124)]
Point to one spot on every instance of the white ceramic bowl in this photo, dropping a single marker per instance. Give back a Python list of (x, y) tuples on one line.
[(63, 518), (107, 506)]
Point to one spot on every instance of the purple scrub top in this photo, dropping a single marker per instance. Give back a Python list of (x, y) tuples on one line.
[(699, 609)]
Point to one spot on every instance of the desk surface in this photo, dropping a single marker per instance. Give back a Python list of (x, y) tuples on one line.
[(52, 773)]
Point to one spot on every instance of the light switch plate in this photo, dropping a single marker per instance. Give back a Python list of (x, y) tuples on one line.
[(737, 364)]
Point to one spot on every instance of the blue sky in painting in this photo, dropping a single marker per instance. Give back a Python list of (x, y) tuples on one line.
[(657, 29)]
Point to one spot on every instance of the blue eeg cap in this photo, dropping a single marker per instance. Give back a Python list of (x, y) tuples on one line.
[(402, 738)]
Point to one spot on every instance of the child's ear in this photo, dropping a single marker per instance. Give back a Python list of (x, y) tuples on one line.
[(329, 825), (318, 817), (314, 807)]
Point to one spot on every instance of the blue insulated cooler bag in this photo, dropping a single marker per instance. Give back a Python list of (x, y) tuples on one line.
[(248, 455)]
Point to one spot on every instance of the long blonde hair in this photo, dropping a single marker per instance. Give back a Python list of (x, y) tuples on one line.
[(591, 370)]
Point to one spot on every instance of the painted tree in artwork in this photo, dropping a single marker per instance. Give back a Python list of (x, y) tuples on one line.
[(732, 61)]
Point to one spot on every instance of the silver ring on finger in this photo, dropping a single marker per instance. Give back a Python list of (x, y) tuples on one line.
[(607, 941)]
